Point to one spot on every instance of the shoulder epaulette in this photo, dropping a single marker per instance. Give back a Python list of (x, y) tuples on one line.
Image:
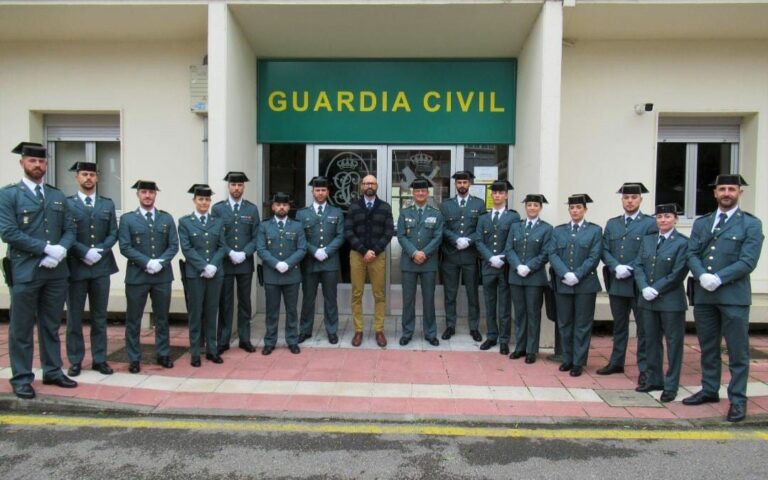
[(51, 187)]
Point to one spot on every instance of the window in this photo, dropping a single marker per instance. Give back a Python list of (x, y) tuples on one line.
[(691, 152), (85, 138)]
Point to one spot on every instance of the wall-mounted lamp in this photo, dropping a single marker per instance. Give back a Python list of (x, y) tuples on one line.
[(641, 108)]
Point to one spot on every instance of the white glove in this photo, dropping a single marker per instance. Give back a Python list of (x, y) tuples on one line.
[(709, 282), (570, 279), (153, 266), (523, 270), (650, 294), (49, 262), (320, 254), (623, 271), (209, 271), (281, 267), (497, 261), (56, 251), (92, 256), (237, 257), (462, 243)]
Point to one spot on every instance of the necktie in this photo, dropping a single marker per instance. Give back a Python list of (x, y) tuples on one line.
[(237, 208), (421, 212), (495, 217), (202, 219), (528, 227), (629, 220), (319, 210), (721, 221), (149, 216), (88, 202), (662, 238), (370, 205), (462, 203), (280, 224), (575, 228), (39, 193)]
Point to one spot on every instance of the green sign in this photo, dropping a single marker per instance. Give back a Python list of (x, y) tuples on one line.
[(387, 101)]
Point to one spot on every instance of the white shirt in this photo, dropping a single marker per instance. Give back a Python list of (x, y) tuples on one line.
[(316, 205), (459, 198), (633, 217), (233, 202), (580, 224), (31, 185), (532, 222), (500, 212), (84, 196), (144, 212), (207, 216), (667, 235), (728, 214)]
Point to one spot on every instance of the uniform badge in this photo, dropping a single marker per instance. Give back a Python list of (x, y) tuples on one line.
[(25, 220)]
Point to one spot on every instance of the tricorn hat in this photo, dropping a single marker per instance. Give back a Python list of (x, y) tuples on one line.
[(501, 186), (633, 188), (200, 190), (668, 208), (463, 175), (535, 197), (281, 197), (577, 198), (235, 177), (729, 179), (420, 183), (30, 149), (83, 166), (145, 185), (319, 181)]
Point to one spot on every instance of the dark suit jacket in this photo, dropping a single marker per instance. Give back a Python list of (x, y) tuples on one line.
[(369, 230)]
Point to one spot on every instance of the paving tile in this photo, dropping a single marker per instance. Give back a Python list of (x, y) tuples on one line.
[(656, 413), (431, 391), (199, 385), (123, 380), (561, 409), (431, 406), (584, 395), (755, 389), (268, 403), (184, 400), (627, 398), (350, 404), (471, 392), (476, 407), (550, 394), (606, 411), (307, 403), (511, 394), (542, 381), (231, 386), (157, 382), (104, 393), (140, 396), (391, 405), (316, 388)]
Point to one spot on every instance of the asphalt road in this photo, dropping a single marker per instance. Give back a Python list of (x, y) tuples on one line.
[(86, 448)]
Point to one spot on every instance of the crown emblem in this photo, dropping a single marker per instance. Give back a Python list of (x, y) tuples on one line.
[(422, 161), (347, 163)]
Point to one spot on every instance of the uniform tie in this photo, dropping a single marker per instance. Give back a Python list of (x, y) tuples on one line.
[(202, 219), (462, 203), (575, 228), (88, 202), (496, 217), (662, 239), (421, 212), (280, 224), (629, 220), (149, 216), (319, 210), (39, 193), (237, 208), (721, 221), (528, 227)]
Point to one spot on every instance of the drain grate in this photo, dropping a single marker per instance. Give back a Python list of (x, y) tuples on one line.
[(148, 354), (627, 398)]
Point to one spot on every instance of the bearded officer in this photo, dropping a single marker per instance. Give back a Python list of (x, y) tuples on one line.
[(148, 239), (241, 223), (621, 242), (490, 239), (324, 229), (459, 260), (91, 262), (38, 228), (722, 253)]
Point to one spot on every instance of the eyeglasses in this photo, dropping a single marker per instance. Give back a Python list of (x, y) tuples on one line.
[(369, 183)]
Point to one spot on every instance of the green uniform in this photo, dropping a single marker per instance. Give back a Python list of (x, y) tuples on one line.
[(141, 239), (202, 245), (662, 266), (273, 245), (490, 239), (96, 228), (621, 242), (28, 224), (419, 229), (240, 228), (577, 252), (324, 230), (529, 247), (460, 222), (731, 252)]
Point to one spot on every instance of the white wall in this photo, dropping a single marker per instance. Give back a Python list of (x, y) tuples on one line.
[(604, 143), (147, 83)]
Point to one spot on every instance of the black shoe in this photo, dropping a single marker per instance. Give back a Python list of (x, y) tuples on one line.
[(700, 397), (62, 381), (165, 362), (25, 391), (487, 344), (475, 334), (668, 396), (214, 358), (406, 340), (575, 371), (736, 413), (195, 361), (75, 369), (222, 348), (134, 367), (294, 349), (609, 370), (247, 346), (432, 341), (642, 379), (103, 368), (304, 336), (448, 333), (267, 350), (504, 349), (530, 358), (564, 367), (333, 339), (649, 388), (516, 354)]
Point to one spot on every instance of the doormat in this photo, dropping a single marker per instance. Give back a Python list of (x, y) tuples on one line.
[(627, 398), (148, 354)]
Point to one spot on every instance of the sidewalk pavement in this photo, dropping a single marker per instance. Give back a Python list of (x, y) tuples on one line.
[(455, 381)]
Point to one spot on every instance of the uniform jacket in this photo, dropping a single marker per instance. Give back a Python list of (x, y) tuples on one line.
[(531, 250), (274, 246), (27, 226), (96, 228), (369, 229), (578, 253), (325, 231), (141, 241), (731, 254), (414, 235), (239, 233), (663, 269), (460, 222), (620, 247), (490, 239), (201, 244)]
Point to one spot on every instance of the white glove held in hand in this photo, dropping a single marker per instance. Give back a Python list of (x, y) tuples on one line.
[(320, 254), (623, 271), (650, 294), (49, 262), (462, 243), (570, 279), (497, 261), (92, 256), (56, 251), (281, 267), (209, 271), (237, 257), (709, 282), (153, 266), (523, 270)]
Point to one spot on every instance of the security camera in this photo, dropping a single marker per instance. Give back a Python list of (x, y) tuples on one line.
[(641, 108)]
